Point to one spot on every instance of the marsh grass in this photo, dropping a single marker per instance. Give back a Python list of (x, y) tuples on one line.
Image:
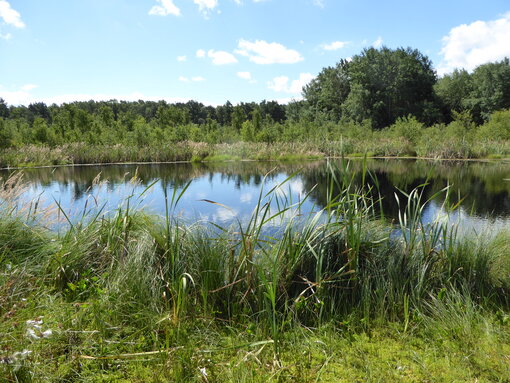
[(161, 299)]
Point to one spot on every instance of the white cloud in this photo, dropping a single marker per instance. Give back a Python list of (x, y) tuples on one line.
[(283, 83), (205, 6), (167, 7), (297, 187), (244, 75), (221, 57), (7, 36), (319, 3), (222, 214), (28, 87), (183, 79), (25, 97), (200, 53), (9, 15), (246, 197), (181, 58), (335, 45), (18, 97), (378, 43), (470, 45), (262, 52), (279, 84), (286, 100)]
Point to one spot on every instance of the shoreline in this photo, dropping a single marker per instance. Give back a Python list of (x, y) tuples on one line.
[(415, 158)]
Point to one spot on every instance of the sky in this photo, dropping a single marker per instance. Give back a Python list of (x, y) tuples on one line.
[(58, 51)]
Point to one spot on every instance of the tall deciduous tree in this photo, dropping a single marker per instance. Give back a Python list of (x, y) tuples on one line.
[(327, 92), (453, 90), (491, 89), (387, 84)]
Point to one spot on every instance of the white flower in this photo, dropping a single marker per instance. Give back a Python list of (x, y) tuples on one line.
[(46, 334), (35, 322), (31, 334), (203, 371), (21, 355)]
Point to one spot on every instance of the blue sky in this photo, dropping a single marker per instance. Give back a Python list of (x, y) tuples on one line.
[(218, 50)]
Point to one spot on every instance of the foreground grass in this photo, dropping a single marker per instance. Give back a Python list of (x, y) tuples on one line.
[(336, 297)]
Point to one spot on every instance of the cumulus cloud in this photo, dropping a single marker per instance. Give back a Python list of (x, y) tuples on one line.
[(221, 57), (28, 87), (244, 75), (17, 97), (285, 85), (7, 36), (246, 197), (470, 45), (205, 6), (167, 7), (181, 58), (200, 53), (378, 43), (223, 214), (23, 96), (262, 52), (9, 15), (335, 45)]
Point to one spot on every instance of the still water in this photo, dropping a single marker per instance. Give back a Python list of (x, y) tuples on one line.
[(483, 188)]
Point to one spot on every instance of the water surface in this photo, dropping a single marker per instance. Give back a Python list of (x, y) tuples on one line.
[(481, 188)]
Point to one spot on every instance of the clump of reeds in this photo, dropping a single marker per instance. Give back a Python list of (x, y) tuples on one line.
[(344, 264)]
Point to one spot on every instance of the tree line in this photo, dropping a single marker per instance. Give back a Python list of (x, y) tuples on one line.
[(376, 89)]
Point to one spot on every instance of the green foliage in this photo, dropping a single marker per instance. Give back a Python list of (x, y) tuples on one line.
[(407, 127), (497, 128), (453, 89), (378, 84), (327, 92), (491, 89)]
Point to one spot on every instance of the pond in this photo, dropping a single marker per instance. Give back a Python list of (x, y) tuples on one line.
[(481, 188)]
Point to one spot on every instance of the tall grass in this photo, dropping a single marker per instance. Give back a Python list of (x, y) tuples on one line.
[(339, 261)]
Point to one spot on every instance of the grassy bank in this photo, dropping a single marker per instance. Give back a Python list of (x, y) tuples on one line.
[(374, 145), (336, 296), (27, 156)]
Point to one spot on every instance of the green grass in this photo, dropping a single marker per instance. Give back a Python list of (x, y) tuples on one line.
[(131, 297), (377, 144)]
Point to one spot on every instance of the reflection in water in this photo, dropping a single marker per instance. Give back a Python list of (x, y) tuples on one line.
[(482, 188)]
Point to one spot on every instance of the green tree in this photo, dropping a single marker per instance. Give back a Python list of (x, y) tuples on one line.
[(4, 109), (238, 117), (6, 135), (453, 89), (247, 132), (327, 92), (491, 89), (387, 84)]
